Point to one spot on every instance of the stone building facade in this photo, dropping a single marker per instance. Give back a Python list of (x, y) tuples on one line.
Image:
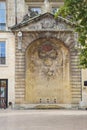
[(42, 59)]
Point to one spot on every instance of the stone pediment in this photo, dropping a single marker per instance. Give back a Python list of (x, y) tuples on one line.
[(44, 22)]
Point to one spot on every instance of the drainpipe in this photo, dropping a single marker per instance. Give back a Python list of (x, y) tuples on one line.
[(15, 11)]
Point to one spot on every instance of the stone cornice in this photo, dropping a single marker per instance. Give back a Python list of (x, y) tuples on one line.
[(46, 22)]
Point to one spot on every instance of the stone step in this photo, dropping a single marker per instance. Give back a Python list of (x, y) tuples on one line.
[(42, 106)]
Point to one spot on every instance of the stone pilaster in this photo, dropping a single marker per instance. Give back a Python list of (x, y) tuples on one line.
[(75, 78), (19, 75)]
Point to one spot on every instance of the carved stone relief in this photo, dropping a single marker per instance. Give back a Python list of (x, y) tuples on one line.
[(48, 23)]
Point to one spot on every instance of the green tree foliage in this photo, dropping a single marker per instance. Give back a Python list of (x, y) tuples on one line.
[(76, 11)]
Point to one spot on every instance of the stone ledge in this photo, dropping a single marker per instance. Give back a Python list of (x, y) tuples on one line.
[(43, 106)]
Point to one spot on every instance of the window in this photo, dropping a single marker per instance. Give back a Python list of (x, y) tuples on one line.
[(37, 10), (54, 10), (2, 52), (2, 15)]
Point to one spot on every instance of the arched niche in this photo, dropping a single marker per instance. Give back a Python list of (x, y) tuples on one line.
[(47, 72)]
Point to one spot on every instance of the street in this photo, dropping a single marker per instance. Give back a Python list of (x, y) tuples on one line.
[(43, 119)]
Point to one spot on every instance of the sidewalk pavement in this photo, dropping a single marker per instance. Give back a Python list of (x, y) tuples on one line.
[(47, 119), (8, 112)]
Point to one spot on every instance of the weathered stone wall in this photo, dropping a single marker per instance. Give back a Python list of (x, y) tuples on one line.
[(20, 10), (10, 12), (15, 9)]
